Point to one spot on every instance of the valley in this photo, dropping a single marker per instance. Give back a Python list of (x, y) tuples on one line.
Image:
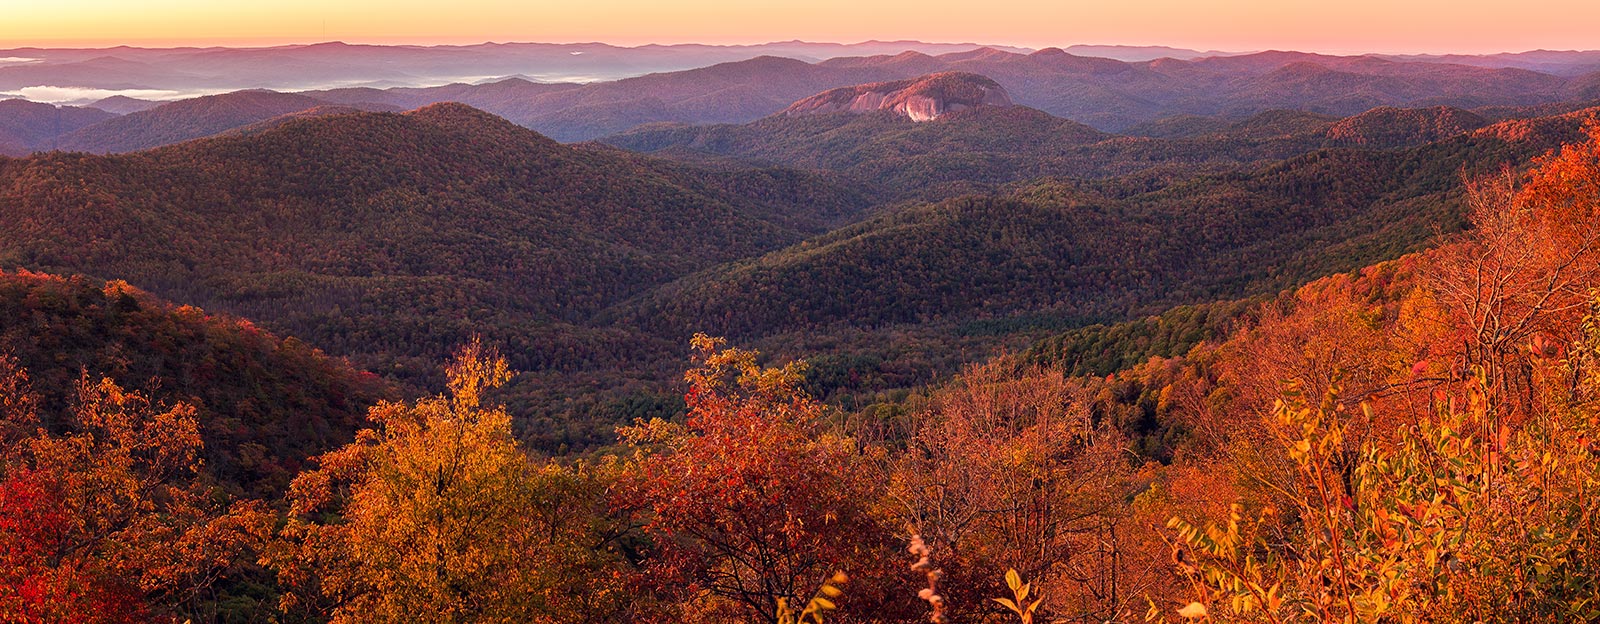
[(683, 339)]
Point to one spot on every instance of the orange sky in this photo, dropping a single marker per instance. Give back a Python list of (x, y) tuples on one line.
[(1320, 25)]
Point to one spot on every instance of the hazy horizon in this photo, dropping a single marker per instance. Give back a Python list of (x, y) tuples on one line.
[(6, 45), (1374, 26)]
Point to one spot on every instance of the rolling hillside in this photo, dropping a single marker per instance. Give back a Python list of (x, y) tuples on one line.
[(388, 236), (1104, 250), (28, 126), (265, 404)]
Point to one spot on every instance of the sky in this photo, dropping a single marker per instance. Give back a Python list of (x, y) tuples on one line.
[(1393, 26)]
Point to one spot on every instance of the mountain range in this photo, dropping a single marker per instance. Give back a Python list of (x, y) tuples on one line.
[(1064, 297), (171, 72), (1106, 94), (391, 237)]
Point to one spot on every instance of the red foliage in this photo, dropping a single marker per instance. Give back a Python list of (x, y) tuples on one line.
[(35, 586), (750, 502)]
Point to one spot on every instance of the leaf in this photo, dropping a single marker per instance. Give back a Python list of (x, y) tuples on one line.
[(1193, 611), (1013, 580)]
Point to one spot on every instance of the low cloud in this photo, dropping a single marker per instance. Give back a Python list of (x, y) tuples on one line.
[(77, 96), (85, 95)]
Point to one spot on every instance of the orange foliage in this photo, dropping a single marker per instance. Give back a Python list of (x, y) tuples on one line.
[(105, 521), (751, 503)]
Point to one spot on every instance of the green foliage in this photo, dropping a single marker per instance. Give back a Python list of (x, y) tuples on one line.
[(392, 238), (1100, 350)]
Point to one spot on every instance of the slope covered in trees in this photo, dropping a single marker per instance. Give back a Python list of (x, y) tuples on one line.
[(389, 236), (28, 126), (1407, 437), (1412, 440), (263, 404), (978, 149), (1104, 250), (1107, 94)]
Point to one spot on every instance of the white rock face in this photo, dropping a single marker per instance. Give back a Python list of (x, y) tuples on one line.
[(919, 99)]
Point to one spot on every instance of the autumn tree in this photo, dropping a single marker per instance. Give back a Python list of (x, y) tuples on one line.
[(1007, 471), (1517, 283), (751, 503), (1478, 503), (104, 518), (438, 515)]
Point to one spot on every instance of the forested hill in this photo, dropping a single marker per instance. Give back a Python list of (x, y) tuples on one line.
[(392, 238), (27, 126), (981, 148), (388, 236), (1107, 249), (264, 403)]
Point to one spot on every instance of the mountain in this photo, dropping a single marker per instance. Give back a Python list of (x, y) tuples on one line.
[(122, 104), (392, 238), (1077, 250), (725, 92), (974, 150), (94, 74), (886, 149), (186, 119), (27, 126), (497, 96), (1387, 126), (1107, 94), (1558, 62), (919, 99), (1142, 53)]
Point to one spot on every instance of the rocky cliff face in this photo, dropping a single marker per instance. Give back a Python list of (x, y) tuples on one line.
[(920, 99)]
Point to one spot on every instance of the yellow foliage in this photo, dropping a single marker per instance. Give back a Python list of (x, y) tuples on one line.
[(442, 518)]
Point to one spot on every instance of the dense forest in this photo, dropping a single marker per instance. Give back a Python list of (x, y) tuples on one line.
[(1413, 441), (1332, 362), (393, 238)]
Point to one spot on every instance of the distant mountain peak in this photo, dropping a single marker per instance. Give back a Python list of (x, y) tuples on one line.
[(919, 99), (910, 55), (463, 117)]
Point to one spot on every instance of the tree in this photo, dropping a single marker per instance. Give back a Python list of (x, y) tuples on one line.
[(107, 520), (1521, 277), (438, 515), (749, 502), (1006, 471)]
